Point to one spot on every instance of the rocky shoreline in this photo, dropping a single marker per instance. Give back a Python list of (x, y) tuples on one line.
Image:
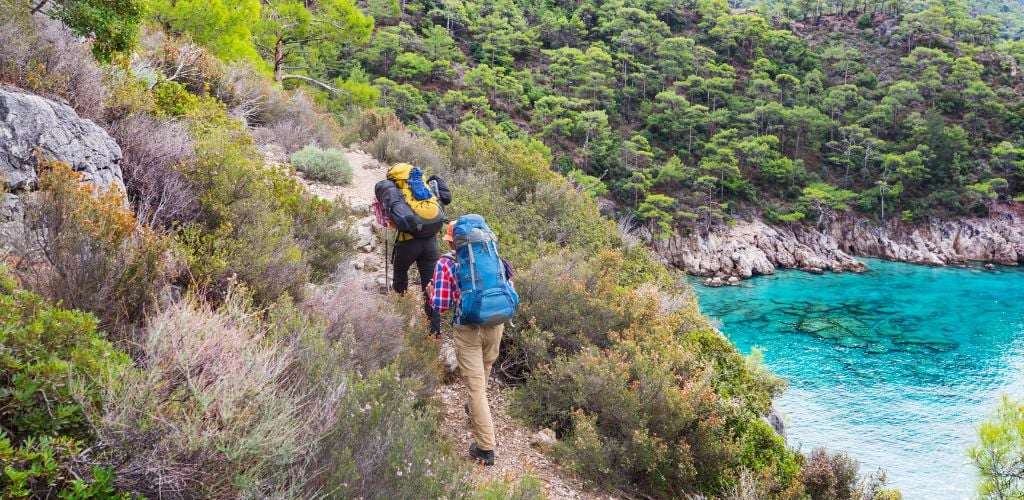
[(752, 248)]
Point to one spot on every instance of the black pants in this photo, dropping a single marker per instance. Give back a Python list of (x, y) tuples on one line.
[(424, 253)]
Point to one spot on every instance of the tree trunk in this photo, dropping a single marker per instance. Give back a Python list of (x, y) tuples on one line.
[(278, 56)]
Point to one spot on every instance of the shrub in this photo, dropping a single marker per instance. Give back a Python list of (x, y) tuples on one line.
[(52, 363), (288, 118), (154, 151), (256, 224), (45, 468), (84, 249), (53, 367), (326, 165), (629, 376), (257, 403), (829, 476), (213, 414), (391, 449), (43, 56), (367, 124), (382, 334), (323, 229), (393, 146)]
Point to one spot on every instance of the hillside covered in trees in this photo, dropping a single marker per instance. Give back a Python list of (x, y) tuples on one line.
[(687, 113)]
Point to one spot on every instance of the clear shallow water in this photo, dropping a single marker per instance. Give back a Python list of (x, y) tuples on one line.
[(896, 366)]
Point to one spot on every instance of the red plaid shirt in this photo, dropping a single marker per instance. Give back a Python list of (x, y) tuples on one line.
[(445, 292)]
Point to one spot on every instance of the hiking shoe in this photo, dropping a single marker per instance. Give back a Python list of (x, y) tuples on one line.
[(487, 457)]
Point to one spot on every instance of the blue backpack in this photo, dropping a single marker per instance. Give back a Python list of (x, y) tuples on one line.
[(487, 297)]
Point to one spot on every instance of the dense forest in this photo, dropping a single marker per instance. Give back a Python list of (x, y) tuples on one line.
[(687, 113), (205, 339)]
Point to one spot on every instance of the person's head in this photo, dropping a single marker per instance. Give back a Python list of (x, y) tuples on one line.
[(449, 235)]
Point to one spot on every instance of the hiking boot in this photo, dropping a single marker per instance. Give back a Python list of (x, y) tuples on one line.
[(487, 457)]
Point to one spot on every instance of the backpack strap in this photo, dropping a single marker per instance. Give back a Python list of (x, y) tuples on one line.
[(472, 267)]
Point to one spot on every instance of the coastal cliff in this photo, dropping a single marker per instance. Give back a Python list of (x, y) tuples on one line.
[(751, 248)]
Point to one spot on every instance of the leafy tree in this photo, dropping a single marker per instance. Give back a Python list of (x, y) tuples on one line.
[(439, 45), (225, 26), (288, 29), (853, 142), (407, 101), (656, 209), (675, 57), (999, 454), (409, 66), (989, 190), (825, 199), (113, 25), (807, 124)]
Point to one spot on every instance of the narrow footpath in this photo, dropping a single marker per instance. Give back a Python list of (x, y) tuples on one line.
[(518, 453)]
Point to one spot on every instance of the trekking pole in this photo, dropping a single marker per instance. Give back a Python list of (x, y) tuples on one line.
[(386, 260)]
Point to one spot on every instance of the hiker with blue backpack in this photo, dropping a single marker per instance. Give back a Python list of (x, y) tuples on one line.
[(476, 283)]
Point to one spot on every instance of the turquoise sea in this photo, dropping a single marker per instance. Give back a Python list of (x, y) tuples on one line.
[(896, 366)]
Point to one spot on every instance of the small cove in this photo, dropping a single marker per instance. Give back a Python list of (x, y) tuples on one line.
[(896, 366)]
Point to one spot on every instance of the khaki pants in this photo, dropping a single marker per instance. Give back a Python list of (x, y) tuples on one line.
[(476, 349)]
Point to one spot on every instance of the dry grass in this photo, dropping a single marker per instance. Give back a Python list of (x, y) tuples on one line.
[(221, 408), (290, 119), (154, 150), (43, 56), (392, 146)]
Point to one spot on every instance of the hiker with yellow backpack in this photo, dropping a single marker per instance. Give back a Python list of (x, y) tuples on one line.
[(415, 208)]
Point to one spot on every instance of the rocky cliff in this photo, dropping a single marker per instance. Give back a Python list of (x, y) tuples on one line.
[(755, 248), (32, 126)]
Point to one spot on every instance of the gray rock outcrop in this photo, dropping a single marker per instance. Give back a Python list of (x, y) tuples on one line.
[(31, 126), (29, 123), (755, 248)]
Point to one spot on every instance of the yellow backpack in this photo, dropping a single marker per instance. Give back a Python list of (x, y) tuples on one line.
[(427, 215)]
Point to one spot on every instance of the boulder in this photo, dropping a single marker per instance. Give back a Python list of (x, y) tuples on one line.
[(31, 124), (543, 438), (365, 238)]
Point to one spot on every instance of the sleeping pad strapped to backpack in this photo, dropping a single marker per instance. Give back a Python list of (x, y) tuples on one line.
[(486, 295), (412, 206)]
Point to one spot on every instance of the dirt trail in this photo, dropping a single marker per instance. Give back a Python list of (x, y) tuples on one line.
[(515, 456)]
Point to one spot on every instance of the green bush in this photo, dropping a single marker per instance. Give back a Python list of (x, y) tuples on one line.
[(42, 468), (52, 362), (384, 446), (256, 224), (326, 165), (634, 379), (54, 366)]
